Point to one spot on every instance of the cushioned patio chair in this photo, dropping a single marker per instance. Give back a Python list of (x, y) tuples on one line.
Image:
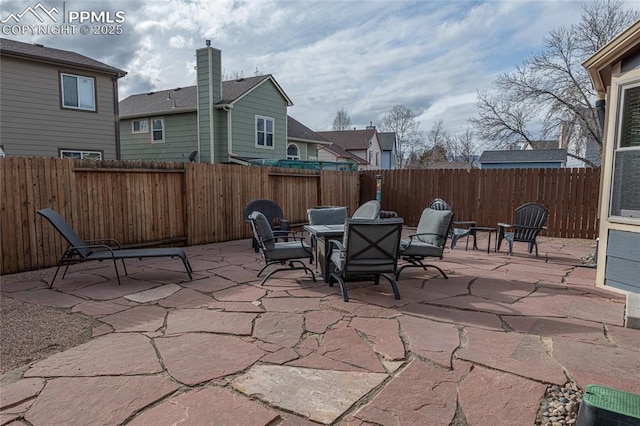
[(454, 233), (80, 250), (369, 248), (529, 221), (273, 212), (369, 210), (429, 240), (274, 252)]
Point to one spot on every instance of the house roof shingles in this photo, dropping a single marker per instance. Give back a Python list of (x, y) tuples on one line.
[(350, 139), (387, 140), (298, 131), (185, 99), (38, 52), (524, 156)]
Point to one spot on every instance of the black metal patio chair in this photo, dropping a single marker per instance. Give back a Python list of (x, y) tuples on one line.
[(369, 248), (429, 240), (273, 252), (274, 214), (529, 221)]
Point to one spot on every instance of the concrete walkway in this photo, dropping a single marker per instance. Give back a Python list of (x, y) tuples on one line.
[(477, 349)]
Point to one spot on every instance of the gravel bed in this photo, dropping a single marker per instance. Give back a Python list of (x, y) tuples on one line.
[(32, 332), (560, 405)]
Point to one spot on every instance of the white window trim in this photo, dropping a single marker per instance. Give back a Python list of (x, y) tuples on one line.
[(273, 133), (622, 87), (146, 130), (83, 154), (93, 93), (297, 148), (164, 130)]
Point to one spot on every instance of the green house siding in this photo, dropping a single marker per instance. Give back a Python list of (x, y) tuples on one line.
[(266, 101), (180, 139)]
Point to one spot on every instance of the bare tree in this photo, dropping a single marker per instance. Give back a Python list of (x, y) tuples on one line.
[(402, 121), (552, 85), (439, 141), (342, 121), (463, 146)]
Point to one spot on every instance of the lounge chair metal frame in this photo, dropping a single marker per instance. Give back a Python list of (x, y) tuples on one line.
[(79, 250)]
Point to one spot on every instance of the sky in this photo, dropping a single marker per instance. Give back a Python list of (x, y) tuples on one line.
[(363, 56)]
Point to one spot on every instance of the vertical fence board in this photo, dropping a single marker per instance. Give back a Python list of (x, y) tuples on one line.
[(142, 204)]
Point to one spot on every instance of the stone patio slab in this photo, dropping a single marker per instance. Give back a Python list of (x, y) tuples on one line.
[(153, 294), (421, 394), (112, 354), (195, 358), (207, 406), (383, 335), (320, 395), (522, 354), (140, 318), (430, 340), (203, 320), (96, 400), (487, 398)]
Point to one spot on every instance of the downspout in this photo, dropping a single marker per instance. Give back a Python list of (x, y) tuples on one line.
[(600, 110), (211, 127), (229, 131)]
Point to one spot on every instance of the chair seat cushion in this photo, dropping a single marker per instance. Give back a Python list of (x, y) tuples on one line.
[(289, 250), (418, 248)]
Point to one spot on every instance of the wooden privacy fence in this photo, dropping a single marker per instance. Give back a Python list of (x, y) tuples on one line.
[(143, 204), (491, 196)]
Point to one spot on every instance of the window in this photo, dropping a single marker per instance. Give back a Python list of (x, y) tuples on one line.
[(157, 135), (293, 153), (78, 92), (264, 132), (81, 155), (377, 158), (625, 191), (140, 126)]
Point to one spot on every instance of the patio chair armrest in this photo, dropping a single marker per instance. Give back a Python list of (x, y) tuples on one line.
[(76, 249), (337, 244), (113, 241), (504, 225)]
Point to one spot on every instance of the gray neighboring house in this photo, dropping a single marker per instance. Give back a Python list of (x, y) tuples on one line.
[(524, 159), (215, 121), (57, 103), (389, 144)]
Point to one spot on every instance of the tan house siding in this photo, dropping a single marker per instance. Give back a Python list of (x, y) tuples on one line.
[(35, 124)]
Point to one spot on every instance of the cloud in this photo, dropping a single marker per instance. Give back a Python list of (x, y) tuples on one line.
[(364, 56)]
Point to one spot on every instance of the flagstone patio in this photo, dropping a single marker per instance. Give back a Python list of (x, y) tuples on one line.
[(479, 348)]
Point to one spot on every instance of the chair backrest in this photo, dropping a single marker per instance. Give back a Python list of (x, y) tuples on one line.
[(327, 215), (439, 204), (530, 219), (435, 224), (369, 210), (372, 244), (270, 209), (262, 230), (65, 230)]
